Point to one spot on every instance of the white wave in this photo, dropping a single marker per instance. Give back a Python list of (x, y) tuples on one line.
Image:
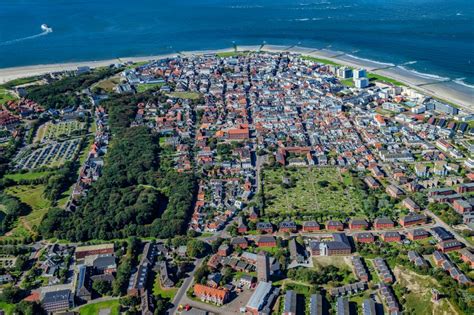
[(302, 20), (245, 6), (370, 60), (409, 63), (426, 75), (17, 40), (459, 14), (461, 82)]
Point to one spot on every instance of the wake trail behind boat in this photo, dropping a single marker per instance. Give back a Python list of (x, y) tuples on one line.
[(43, 33)]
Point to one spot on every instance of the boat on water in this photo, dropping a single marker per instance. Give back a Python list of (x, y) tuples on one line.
[(46, 28)]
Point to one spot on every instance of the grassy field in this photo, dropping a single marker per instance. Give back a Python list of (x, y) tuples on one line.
[(26, 176), (165, 293), (186, 95), (320, 60), (377, 77), (325, 261), (148, 86), (312, 190), (6, 96), (33, 196), (108, 84), (348, 82), (230, 54), (7, 308), (94, 308), (418, 298)]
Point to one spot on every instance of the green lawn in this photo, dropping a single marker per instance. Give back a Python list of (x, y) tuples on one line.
[(26, 176), (7, 307), (321, 60), (186, 95), (6, 96), (94, 308), (230, 54), (323, 191), (148, 86), (348, 82), (62, 130), (33, 196), (165, 293), (377, 77)]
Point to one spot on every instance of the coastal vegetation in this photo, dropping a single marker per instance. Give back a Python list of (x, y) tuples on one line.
[(65, 92)]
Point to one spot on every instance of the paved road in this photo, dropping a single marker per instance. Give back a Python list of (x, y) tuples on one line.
[(447, 227), (184, 288)]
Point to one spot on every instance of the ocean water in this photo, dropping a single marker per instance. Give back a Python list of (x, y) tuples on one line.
[(432, 37)]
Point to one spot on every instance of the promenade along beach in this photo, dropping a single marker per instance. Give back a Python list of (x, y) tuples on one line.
[(444, 89)]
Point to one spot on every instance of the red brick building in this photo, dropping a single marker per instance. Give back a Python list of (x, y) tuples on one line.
[(333, 225), (417, 234), (358, 224), (391, 237), (383, 223), (311, 226), (364, 238), (266, 241), (412, 219)]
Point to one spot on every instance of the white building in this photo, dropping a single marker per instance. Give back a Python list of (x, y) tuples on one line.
[(360, 73), (361, 83)]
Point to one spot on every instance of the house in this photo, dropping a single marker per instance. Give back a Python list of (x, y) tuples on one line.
[(82, 285), (288, 226), (311, 226), (316, 304), (339, 245), (410, 204), (360, 269), (358, 224), (239, 242), (247, 281), (265, 227), (364, 237), (241, 227), (438, 258), (165, 279), (266, 241), (462, 206), (102, 249), (262, 299), (416, 259), (391, 237), (393, 191), (465, 188), (372, 182), (211, 295), (441, 234), (449, 246), (417, 234), (57, 301), (412, 219), (383, 223), (467, 256), (383, 271), (223, 250), (290, 304), (334, 225)]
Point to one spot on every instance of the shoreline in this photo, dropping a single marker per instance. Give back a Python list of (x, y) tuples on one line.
[(460, 95)]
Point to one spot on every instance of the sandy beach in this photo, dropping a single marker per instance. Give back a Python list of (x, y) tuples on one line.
[(458, 94)]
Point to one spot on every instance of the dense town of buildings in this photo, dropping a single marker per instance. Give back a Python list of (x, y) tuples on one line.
[(226, 119)]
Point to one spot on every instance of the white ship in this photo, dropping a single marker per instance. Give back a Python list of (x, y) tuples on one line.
[(46, 28)]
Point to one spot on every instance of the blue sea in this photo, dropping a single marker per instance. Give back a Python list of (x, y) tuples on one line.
[(429, 36)]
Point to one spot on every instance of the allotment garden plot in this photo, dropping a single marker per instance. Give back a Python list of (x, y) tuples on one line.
[(310, 190), (60, 131)]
